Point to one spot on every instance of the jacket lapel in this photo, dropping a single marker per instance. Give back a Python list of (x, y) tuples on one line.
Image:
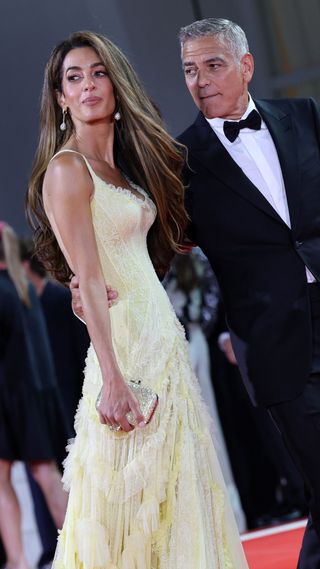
[(207, 148), (281, 130)]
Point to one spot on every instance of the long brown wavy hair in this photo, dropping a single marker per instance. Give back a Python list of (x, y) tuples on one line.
[(10, 255), (142, 147)]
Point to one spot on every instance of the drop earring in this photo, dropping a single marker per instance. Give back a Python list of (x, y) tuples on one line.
[(117, 116), (63, 125)]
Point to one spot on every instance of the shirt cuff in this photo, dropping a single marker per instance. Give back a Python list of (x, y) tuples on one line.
[(222, 338)]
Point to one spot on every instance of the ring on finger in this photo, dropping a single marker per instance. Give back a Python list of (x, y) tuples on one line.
[(115, 428)]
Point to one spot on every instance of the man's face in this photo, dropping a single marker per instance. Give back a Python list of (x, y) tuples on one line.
[(217, 83)]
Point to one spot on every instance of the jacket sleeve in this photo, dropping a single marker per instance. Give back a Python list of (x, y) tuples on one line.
[(315, 108)]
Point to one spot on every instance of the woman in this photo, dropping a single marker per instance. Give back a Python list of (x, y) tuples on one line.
[(150, 496), (31, 424)]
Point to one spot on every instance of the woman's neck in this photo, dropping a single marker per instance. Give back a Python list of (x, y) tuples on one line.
[(3, 265), (96, 142)]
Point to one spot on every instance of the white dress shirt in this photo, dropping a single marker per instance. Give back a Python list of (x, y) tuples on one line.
[(254, 151)]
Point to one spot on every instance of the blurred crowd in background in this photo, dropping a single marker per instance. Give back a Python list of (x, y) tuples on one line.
[(42, 357)]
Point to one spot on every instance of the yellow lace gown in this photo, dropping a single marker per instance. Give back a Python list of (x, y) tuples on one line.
[(153, 498)]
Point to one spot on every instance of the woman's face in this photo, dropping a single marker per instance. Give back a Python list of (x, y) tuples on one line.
[(87, 91)]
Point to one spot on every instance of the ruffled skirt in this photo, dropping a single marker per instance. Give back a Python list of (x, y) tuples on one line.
[(153, 498)]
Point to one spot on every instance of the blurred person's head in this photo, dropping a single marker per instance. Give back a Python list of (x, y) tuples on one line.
[(217, 66), (185, 288), (34, 269), (30, 260), (88, 80), (187, 272), (11, 261)]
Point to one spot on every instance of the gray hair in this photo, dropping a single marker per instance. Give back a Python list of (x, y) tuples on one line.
[(228, 33)]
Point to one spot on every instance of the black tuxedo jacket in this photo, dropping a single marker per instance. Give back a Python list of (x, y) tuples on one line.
[(258, 260)]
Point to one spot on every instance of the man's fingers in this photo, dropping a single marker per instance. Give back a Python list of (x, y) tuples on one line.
[(112, 303), (74, 283), (112, 294)]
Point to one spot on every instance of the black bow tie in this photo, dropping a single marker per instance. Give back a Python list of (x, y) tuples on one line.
[(232, 128)]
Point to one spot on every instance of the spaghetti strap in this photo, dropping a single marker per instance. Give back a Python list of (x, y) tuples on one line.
[(130, 192), (63, 150)]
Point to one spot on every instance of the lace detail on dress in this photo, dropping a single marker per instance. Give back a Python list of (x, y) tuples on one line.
[(147, 198), (145, 201)]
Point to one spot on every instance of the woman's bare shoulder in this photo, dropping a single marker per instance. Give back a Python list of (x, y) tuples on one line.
[(67, 170)]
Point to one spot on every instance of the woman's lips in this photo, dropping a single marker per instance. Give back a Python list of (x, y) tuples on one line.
[(91, 100)]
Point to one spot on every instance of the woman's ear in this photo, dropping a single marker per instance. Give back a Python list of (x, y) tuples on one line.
[(61, 99)]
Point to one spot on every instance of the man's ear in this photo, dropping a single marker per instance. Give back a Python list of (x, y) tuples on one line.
[(247, 66)]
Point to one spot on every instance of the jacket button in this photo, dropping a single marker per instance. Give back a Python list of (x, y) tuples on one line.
[(298, 243)]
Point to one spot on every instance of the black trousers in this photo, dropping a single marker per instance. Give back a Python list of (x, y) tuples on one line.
[(299, 424)]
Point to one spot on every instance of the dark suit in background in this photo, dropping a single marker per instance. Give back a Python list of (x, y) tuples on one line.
[(69, 342), (260, 266)]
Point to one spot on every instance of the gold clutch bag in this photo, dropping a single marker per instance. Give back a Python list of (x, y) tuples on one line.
[(147, 399)]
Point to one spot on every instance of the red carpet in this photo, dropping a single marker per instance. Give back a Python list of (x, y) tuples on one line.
[(274, 548)]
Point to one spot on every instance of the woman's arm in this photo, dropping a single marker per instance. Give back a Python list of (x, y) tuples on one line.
[(67, 191), (76, 298)]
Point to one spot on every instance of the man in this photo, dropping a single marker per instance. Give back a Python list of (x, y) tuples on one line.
[(254, 202)]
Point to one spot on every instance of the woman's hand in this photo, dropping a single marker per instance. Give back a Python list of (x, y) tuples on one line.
[(115, 402)]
